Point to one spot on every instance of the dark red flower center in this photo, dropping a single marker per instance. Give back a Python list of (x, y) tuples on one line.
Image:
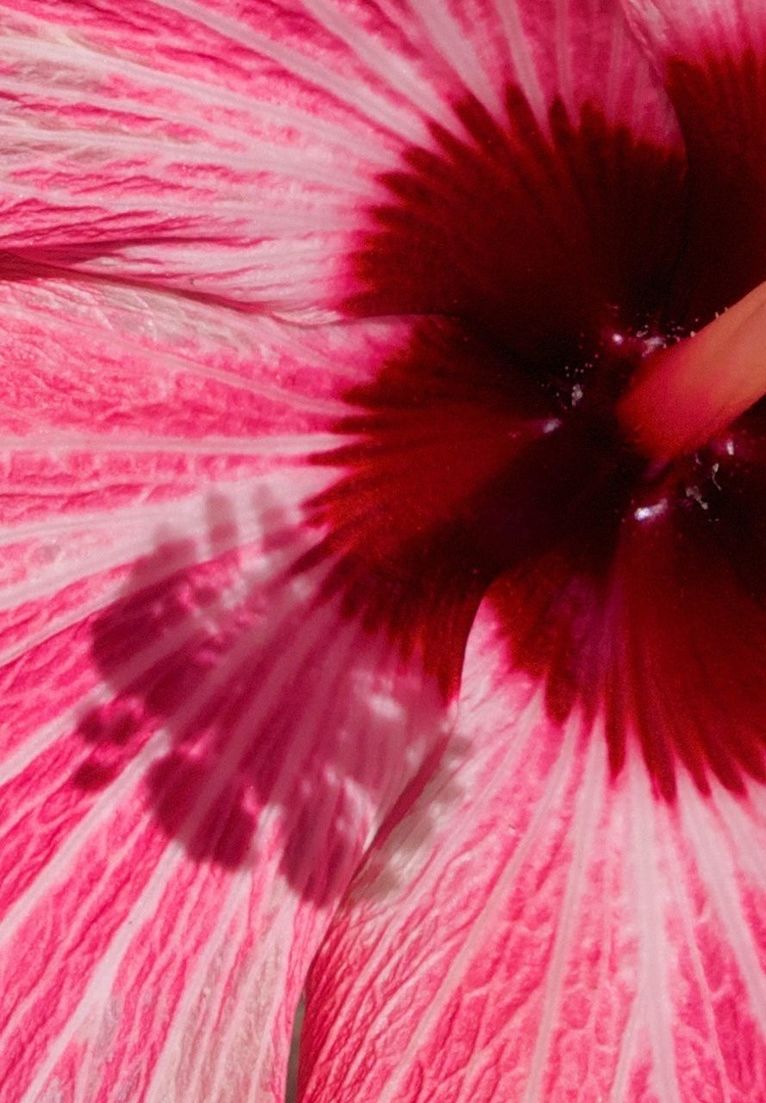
[(487, 462)]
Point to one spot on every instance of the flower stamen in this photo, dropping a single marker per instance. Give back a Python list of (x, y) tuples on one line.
[(685, 395)]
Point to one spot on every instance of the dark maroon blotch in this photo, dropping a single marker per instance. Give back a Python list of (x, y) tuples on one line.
[(484, 462)]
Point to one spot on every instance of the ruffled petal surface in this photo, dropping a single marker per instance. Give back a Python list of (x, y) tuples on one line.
[(244, 152), (217, 148), (196, 747), (530, 931)]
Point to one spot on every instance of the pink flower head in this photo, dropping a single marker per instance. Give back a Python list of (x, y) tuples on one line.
[(383, 604)]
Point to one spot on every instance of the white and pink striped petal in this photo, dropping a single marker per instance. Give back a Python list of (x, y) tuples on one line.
[(532, 931), (234, 151), (197, 745)]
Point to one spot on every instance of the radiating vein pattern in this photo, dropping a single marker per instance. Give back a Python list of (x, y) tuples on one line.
[(339, 620)]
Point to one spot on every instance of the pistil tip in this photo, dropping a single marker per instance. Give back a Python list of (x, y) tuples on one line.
[(685, 395)]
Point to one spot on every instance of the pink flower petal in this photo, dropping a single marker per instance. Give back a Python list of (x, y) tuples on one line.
[(195, 748), (532, 931), (712, 57), (194, 145), (234, 151)]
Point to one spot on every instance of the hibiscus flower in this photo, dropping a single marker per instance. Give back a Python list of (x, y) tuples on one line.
[(383, 601)]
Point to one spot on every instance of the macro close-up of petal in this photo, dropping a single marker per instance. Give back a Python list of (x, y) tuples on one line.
[(383, 527)]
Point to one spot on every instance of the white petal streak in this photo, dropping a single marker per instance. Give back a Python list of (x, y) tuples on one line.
[(156, 445), (654, 953), (716, 866), (396, 72), (707, 1007), (456, 51), (588, 813), (520, 55)]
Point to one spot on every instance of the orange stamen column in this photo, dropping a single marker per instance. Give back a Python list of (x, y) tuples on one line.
[(685, 395)]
